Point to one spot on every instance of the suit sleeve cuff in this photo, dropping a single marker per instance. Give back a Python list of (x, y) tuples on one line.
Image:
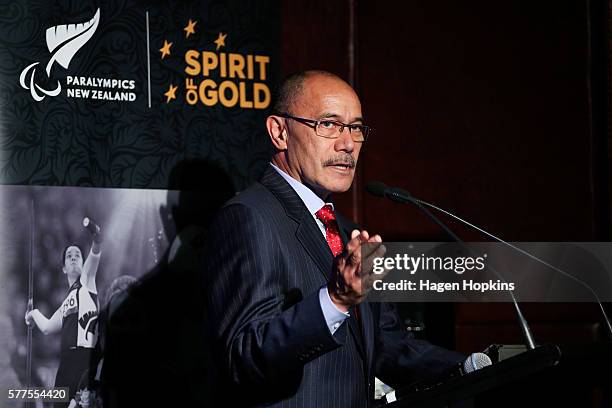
[(334, 317)]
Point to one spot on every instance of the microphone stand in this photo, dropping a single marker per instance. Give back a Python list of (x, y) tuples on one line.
[(607, 325), (402, 196)]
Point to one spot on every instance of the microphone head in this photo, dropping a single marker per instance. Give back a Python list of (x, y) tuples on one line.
[(86, 221), (476, 361), (401, 192), (376, 188)]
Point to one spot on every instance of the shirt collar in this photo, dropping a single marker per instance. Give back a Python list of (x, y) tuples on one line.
[(312, 201)]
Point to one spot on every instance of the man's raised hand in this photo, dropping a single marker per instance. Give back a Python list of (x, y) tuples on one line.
[(352, 275)]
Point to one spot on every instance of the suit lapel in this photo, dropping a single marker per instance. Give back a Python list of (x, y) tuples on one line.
[(309, 235), (358, 330), (308, 232)]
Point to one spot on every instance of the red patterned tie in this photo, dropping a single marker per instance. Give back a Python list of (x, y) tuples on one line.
[(332, 234)]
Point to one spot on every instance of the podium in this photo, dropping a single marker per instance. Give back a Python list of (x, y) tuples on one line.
[(459, 391), (549, 375)]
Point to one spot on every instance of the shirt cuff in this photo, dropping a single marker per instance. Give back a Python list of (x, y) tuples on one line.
[(333, 316)]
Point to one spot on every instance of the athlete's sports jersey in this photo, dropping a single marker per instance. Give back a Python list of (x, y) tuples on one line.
[(80, 312)]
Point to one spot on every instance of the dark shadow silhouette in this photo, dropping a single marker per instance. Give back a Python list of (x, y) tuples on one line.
[(155, 346)]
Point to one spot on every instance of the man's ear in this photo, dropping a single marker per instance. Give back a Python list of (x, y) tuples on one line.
[(277, 131)]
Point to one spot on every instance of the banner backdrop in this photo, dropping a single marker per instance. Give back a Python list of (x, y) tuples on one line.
[(116, 93), (111, 113)]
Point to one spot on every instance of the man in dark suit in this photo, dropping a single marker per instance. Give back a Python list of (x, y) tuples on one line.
[(286, 308)]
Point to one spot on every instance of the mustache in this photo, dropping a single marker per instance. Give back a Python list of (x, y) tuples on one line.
[(345, 159)]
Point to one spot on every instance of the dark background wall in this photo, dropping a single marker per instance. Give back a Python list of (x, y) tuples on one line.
[(496, 111), (500, 116)]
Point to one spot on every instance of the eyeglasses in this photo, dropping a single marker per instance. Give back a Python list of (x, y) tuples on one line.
[(331, 129)]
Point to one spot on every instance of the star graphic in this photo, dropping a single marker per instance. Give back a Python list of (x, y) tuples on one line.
[(165, 50), (171, 93), (220, 41), (190, 29)]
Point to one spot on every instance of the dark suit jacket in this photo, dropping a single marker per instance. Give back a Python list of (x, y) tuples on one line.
[(264, 263)]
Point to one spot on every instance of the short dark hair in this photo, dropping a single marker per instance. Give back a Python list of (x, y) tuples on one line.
[(291, 88), (66, 250)]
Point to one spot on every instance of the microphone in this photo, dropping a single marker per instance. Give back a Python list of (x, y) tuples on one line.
[(399, 195), (402, 196), (473, 362), (476, 361), (381, 190), (91, 226)]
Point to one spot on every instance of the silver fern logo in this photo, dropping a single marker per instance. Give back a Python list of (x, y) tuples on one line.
[(63, 42)]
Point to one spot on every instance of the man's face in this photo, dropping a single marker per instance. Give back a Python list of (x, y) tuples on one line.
[(73, 262), (325, 165)]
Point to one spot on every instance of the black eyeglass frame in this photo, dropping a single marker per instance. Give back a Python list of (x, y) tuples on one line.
[(314, 124)]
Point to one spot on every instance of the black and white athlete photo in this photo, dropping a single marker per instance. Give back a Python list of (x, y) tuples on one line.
[(67, 254), (77, 316)]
